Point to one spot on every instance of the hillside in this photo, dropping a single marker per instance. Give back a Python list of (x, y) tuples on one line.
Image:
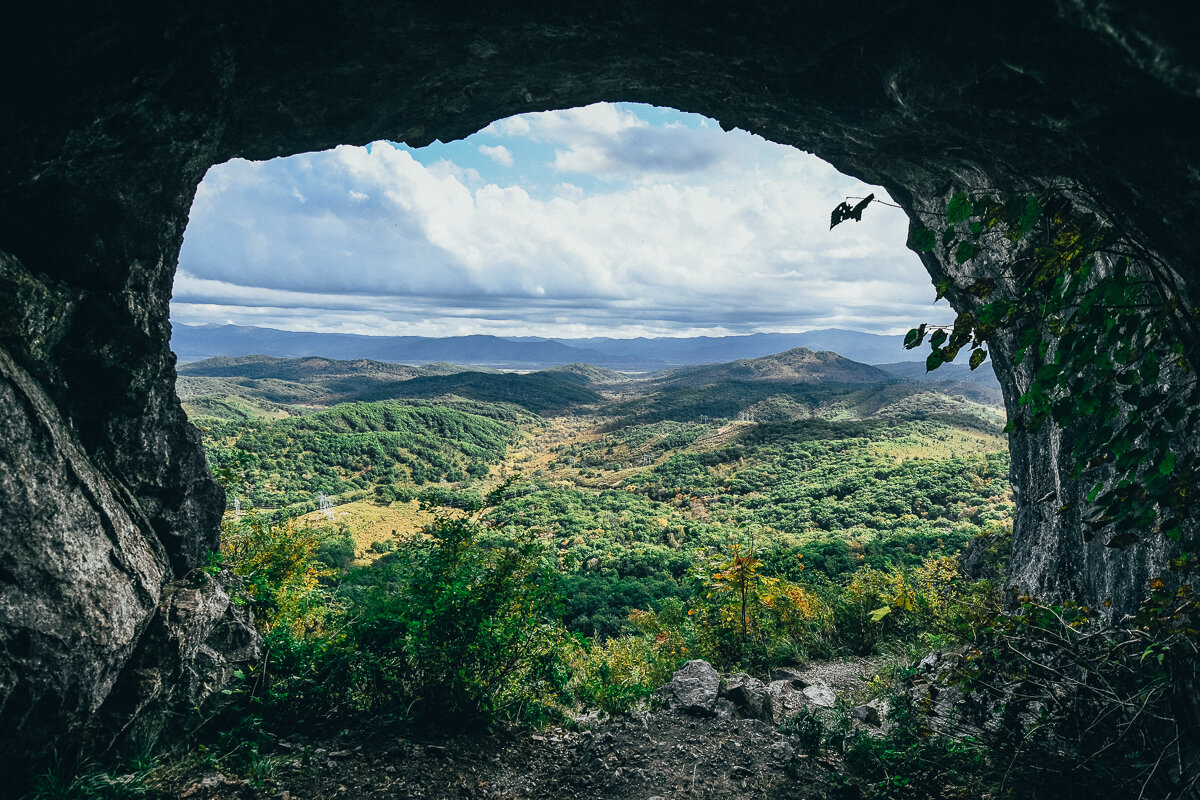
[(588, 374), (798, 365), (258, 385), (539, 392), (353, 447)]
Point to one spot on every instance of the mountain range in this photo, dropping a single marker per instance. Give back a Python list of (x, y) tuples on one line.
[(254, 385), (197, 342)]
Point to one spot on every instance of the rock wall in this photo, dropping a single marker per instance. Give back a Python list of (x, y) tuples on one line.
[(114, 111)]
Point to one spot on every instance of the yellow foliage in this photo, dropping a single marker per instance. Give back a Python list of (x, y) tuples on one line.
[(280, 572)]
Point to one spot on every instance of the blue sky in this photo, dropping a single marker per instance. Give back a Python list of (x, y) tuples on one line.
[(608, 220)]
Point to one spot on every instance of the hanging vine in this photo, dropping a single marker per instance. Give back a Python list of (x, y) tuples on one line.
[(1112, 340)]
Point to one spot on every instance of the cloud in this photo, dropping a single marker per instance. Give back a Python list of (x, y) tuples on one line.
[(499, 153), (690, 230)]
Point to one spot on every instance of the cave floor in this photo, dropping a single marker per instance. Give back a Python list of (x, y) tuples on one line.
[(640, 757)]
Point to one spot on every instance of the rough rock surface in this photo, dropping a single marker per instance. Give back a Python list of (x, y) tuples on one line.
[(113, 114), (748, 695), (693, 688)]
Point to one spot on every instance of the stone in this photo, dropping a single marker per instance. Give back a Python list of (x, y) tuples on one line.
[(867, 714), (782, 753), (785, 700), (693, 688), (930, 662), (819, 694), (106, 135), (748, 695), (724, 709)]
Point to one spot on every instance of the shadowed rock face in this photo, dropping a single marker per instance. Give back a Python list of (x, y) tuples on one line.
[(112, 117)]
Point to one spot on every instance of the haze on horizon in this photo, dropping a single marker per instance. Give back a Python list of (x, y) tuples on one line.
[(616, 220)]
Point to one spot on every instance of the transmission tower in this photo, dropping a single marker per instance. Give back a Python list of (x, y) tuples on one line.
[(326, 505)]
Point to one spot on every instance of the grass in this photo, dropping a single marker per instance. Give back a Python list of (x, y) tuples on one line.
[(370, 522)]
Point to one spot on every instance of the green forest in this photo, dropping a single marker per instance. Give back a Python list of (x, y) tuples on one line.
[(498, 555)]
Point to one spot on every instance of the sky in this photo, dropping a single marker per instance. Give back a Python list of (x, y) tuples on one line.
[(615, 220)]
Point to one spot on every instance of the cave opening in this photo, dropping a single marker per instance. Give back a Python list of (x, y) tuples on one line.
[(114, 121)]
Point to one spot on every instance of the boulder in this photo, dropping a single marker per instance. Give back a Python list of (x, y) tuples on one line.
[(723, 709), (819, 694), (786, 700), (867, 714), (693, 688), (748, 695)]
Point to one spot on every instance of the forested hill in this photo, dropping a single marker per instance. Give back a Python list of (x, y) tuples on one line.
[(354, 446), (310, 368), (798, 365)]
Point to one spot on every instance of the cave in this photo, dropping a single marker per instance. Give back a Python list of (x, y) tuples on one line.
[(114, 114)]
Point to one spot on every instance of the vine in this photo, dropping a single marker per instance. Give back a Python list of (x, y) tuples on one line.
[(1112, 339)]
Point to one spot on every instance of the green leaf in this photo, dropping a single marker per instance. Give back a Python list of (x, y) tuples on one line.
[(878, 614), (958, 209), (1029, 215), (965, 252), (938, 338), (1167, 465), (977, 357), (923, 240), (933, 361), (913, 338)]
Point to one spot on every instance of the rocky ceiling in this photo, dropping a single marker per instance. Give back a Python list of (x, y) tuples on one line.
[(113, 112)]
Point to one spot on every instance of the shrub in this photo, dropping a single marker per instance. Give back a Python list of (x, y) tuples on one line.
[(469, 618)]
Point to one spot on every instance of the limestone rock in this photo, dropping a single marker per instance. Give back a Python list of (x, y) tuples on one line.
[(787, 674), (748, 695), (693, 688), (867, 714), (819, 694), (786, 699), (195, 642)]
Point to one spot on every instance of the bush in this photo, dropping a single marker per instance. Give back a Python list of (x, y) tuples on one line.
[(470, 619)]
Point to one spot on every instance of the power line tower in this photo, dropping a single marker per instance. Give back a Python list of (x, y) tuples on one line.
[(325, 505)]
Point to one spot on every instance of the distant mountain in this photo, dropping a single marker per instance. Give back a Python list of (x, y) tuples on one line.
[(798, 365), (196, 342), (946, 373), (867, 348)]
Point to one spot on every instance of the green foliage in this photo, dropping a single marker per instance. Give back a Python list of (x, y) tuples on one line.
[(353, 447), (1064, 704), (1112, 343), (70, 779), (459, 626), (473, 615), (912, 762)]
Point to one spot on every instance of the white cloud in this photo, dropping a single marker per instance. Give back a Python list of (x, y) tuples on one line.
[(499, 153), (717, 232)]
